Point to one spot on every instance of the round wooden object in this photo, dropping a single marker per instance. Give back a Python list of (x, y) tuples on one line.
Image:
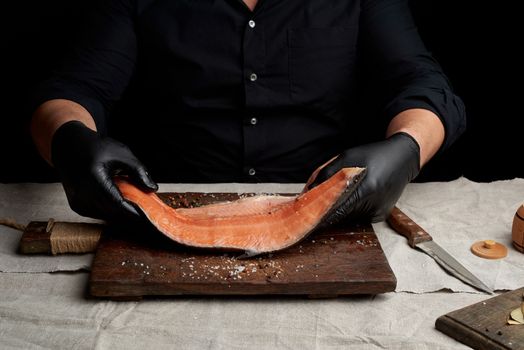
[(517, 230), (489, 249)]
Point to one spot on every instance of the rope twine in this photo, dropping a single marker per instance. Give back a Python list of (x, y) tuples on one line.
[(12, 223), (66, 237), (74, 237)]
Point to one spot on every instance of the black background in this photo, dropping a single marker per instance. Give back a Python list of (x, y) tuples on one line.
[(476, 45)]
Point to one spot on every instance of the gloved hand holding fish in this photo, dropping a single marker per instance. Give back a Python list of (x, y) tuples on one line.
[(335, 192)]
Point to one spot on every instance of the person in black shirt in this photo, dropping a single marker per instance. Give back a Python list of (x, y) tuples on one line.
[(232, 90)]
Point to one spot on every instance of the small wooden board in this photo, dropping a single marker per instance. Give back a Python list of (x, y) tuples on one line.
[(35, 239), (483, 325), (341, 261)]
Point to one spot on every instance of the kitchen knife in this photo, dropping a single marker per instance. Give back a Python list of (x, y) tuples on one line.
[(419, 238)]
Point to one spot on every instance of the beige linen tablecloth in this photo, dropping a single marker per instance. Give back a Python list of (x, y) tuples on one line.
[(43, 303)]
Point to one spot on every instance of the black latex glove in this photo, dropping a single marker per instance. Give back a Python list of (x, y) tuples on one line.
[(86, 163), (391, 164)]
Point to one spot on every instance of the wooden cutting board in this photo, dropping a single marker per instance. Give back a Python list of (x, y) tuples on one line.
[(483, 326), (139, 262)]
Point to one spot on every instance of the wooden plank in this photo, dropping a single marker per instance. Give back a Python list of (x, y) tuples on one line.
[(483, 325), (338, 261)]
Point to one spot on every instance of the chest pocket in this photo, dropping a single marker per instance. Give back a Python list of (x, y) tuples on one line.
[(321, 63)]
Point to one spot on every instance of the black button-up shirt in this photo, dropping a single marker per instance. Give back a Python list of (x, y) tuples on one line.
[(215, 92)]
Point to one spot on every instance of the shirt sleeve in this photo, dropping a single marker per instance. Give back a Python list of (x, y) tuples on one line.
[(403, 73), (99, 68)]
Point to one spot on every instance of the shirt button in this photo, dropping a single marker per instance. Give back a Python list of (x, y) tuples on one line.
[(253, 77), (251, 23), (251, 172), (253, 121)]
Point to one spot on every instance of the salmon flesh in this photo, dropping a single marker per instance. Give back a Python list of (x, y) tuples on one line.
[(258, 224)]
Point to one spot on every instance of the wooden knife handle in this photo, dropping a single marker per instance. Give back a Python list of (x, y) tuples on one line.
[(401, 223)]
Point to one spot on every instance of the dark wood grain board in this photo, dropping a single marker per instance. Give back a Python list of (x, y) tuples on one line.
[(483, 325), (341, 261)]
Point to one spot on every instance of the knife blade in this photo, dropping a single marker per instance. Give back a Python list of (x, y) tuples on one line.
[(419, 238)]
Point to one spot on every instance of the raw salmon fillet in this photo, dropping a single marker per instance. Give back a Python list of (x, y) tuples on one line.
[(258, 224)]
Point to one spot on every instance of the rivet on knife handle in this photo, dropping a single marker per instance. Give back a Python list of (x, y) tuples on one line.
[(401, 223)]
